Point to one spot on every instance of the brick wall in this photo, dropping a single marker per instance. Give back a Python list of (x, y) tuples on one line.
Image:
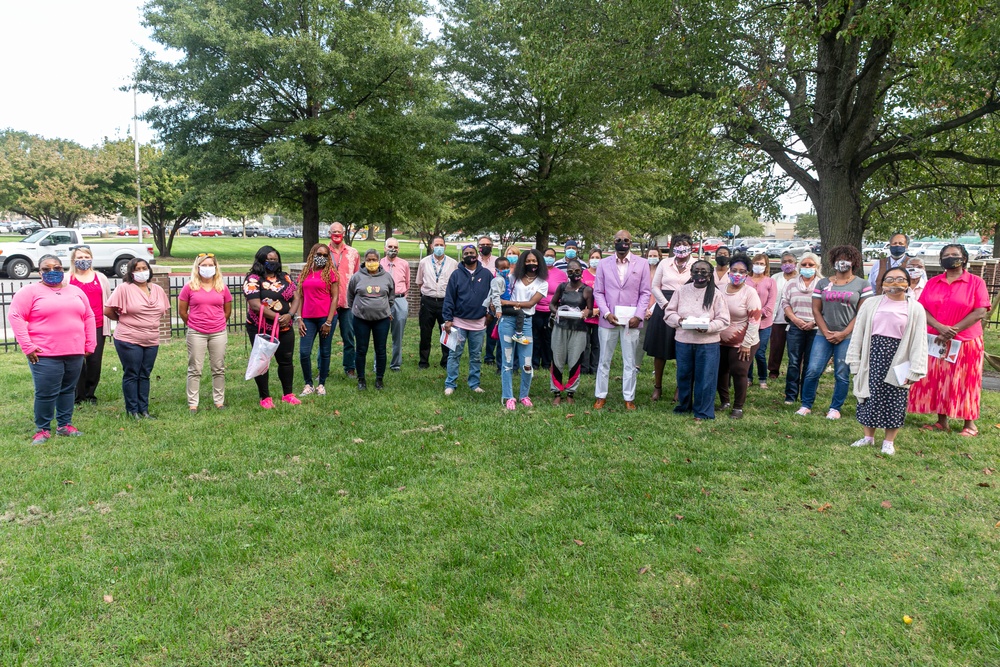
[(161, 277)]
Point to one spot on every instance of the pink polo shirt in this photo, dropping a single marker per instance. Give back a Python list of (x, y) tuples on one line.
[(316, 292), (556, 278), (399, 269), (949, 304), (588, 280), (206, 308)]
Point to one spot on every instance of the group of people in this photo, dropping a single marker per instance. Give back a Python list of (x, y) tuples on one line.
[(529, 310)]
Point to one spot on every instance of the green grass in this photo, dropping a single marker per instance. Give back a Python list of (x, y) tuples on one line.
[(236, 251), (320, 535)]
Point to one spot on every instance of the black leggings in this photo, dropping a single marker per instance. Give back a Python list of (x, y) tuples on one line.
[(378, 332), (283, 357)]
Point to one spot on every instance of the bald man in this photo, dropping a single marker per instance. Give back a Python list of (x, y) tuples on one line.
[(347, 261)]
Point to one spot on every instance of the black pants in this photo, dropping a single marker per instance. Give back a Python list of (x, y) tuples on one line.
[(730, 365), (377, 331), (430, 314), (282, 357), (90, 376), (591, 355), (490, 344), (541, 343)]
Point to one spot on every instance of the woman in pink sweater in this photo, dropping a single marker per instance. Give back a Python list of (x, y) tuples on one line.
[(741, 338), (54, 326), (697, 348)]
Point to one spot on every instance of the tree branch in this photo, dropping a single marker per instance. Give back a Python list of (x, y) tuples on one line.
[(893, 158), (878, 203), (990, 107)]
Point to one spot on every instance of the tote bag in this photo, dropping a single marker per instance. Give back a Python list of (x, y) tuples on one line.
[(263, 349)]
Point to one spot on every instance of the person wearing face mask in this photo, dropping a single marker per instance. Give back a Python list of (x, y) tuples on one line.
[(887, 356), (433, 273), (541, 326), (370, 295), (669, 276), (487, 259), (347, 262), (465, 317), (570, 251), (835, 306), (271, 295), (98, 290), (788, 273), (205, 305), (53, 323), (721, 276), (918, 276), (653, 257), (501, 289), (740, 339), (137, 305), (528, 287), (621, 289), (399, 269), (897, 258), (592, 355), (572, 302), (697, 349), (767, 290), (797, 306), (318, 296), (956, 303)]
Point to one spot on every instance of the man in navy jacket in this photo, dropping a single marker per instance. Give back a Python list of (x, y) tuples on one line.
[(464, 312)]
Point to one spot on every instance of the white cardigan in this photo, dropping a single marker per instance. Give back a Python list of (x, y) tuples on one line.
[(912, 346)]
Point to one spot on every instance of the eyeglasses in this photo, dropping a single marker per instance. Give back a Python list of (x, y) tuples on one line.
[(699, 273), (205, 254), (79, 247), (895, 281), (322, 254), (54, 268)]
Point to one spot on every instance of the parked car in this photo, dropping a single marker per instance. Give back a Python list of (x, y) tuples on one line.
[(207, 232), (709, 246), (280, 234), (917, 247), (19, 258), (25, 227), (91, 230), (875, 250), (760, 247), (4, 229), (797, 248), (134, 231), (252, 232)]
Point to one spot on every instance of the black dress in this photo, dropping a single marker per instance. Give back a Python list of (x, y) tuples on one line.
[(659, 337), (885, 406)]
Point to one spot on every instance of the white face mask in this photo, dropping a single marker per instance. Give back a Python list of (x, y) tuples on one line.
[(758, 269), (140, 276), (206, 271)]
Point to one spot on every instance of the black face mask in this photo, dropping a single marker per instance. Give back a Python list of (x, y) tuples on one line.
[(700, 280), (575, 275), (951, 262), (623, 246), (531, 268), (722, 260), (469, 260), (485, 250), (272, 266), (897, 251)]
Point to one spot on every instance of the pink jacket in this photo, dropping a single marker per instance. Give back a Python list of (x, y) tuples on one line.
[(609, 291), (52, 322)]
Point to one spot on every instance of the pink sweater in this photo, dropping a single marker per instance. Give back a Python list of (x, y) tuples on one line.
[(744, 315), (688, 302), (53, 322)]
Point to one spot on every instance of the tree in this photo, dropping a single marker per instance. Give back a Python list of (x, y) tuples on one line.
[(861, 103), (807, 226), (297, 96)]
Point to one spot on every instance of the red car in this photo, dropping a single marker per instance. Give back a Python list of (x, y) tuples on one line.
[(207, 232), (709, 246), (134, 231)]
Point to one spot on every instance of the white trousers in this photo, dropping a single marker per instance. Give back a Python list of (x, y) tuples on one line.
[(609, 339)]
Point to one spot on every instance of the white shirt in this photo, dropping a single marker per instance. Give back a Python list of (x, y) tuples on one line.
[(433, 275), (622, 266), (523, 293)]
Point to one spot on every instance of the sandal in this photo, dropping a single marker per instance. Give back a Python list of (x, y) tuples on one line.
[(968, 432), (933, 427)]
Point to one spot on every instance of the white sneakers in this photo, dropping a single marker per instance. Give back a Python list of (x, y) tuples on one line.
[(307, 390), (833, 414), (887, 448), (448, 391), (863, 442)]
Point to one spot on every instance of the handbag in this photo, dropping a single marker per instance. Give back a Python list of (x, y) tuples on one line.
[(263, 349)]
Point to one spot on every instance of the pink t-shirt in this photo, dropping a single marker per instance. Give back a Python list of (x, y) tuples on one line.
[(52, 322), (556, 278), (588, 280), (206, 308), (139, 313), (95, 296), (316, 293), (949, 304), (890, 319)]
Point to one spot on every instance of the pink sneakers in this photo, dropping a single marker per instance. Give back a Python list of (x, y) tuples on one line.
[(41, 437), (526, 402), (267, 403), (68, 431), (291, 399), (511, 404)]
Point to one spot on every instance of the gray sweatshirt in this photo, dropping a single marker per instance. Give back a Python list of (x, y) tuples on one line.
[(370, 296)]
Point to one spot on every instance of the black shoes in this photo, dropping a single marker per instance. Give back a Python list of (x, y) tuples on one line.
[(378, 384), (362, 385)]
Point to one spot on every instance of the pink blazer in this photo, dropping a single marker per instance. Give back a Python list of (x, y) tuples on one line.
[(609, 291)]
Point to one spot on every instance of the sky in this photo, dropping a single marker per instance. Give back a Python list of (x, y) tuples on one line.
[(64, 61)]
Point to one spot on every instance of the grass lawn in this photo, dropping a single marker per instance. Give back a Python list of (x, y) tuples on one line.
[(407, 528), (240, 252)]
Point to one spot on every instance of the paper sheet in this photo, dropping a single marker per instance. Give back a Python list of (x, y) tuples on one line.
[(623, 314), (901, 372), (938, 351), (452, 340)]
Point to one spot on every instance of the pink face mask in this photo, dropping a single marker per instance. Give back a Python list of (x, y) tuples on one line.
[(737, 279)]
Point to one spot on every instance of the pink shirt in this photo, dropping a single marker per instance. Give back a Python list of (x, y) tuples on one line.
[(668, 278), (767, 290), (206, 308), (94, 291), (890, 319), (52, 322), (949, 304), (688, 302), (588, 280), (744, 315), (316, 293), (556, 278), (399, 269), (139, 313), (347, 261)]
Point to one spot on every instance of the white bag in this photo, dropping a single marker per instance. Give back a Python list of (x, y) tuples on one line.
[(263, 349)]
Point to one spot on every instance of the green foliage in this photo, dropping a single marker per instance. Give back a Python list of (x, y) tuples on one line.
[(807, 226)]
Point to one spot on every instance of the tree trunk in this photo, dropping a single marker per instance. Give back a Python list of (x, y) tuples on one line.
[(310, 216), (838, 210)]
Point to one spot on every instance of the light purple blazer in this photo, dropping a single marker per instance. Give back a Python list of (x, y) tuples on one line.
[(610, 292)]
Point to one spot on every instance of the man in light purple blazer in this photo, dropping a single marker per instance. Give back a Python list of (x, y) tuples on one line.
[(622, 282)]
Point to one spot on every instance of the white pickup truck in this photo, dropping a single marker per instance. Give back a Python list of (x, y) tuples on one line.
[(19, 258)]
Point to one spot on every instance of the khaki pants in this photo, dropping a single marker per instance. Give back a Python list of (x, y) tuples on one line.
[(215, 345)]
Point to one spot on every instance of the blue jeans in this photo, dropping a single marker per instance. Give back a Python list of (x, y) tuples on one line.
[(475, 340), (822, 350), (509, 353), (346, 318), (697, 377), (55, 389), (137, 366), (377, 332), (798, 343), (313, 325), (761, 357)]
